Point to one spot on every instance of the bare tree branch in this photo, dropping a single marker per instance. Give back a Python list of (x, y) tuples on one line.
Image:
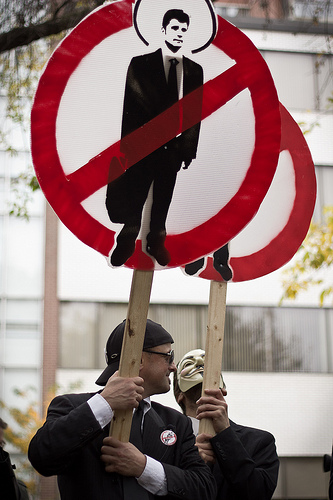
[(19, 37)]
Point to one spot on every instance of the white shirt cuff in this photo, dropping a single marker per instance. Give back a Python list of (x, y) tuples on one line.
[(101, 409), (153, 478)]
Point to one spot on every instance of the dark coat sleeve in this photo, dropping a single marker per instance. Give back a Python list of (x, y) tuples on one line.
[(330, 489), (8, 484), (67, 429), (247, 464), (190, 478), (145, 93), (69, 443), (146, 97), (192, 109)]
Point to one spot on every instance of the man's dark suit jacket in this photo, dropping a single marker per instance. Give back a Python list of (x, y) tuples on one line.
[(146, 97), (69, 445), (11, 488), (330, 488), (248, 465)]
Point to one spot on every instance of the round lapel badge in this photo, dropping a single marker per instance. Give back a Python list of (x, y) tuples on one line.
[(168, 437)]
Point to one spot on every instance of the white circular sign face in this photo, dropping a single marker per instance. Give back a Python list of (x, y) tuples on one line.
[(78, 145), (275, 233)]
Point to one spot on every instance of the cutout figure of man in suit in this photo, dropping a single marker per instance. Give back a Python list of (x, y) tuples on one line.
[(154, 83)]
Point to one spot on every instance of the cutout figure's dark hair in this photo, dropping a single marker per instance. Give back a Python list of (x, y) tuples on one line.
[(194, 51), (178, 14)]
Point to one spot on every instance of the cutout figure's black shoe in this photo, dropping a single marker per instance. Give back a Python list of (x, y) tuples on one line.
[(160, 253), (125, 245), (220, 262), (122, 252), (224, 270), (155, 248), (194, 267)]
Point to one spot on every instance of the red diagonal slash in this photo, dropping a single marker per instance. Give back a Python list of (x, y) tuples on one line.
[(65, 193), (144, 140)]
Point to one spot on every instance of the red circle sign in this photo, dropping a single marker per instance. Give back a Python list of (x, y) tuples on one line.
[(274, 235), (70, 189)]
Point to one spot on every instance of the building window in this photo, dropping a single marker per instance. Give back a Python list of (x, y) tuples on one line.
[(276, 340), (318, 10), (257, 339), (232, 9)]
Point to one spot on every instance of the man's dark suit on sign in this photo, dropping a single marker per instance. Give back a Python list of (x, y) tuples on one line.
[(146, 97), (70, 443)]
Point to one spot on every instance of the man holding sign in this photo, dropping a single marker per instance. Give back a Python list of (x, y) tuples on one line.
[(74, 442), (244, 460), (154, 83)]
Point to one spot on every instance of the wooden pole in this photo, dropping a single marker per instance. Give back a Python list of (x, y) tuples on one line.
[(214, 344), (131, 351)]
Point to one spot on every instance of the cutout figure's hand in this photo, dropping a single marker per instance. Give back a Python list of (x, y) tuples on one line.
[(187, 163)]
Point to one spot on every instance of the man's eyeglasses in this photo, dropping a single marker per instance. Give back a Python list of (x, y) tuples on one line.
[(170, 354)]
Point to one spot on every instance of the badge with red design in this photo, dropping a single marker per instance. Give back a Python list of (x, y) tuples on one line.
[(168, 438)]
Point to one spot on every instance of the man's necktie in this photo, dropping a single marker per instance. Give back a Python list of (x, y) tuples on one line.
[(172, 82), (136, 432), (132, 490)]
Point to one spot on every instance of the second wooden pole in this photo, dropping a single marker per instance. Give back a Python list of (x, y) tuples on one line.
[(214, 344)]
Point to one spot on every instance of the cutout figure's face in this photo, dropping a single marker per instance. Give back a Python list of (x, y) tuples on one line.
[(174, 34)]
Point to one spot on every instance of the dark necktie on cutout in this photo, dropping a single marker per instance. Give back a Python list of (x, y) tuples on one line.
[(172, 82), (132, 490)]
